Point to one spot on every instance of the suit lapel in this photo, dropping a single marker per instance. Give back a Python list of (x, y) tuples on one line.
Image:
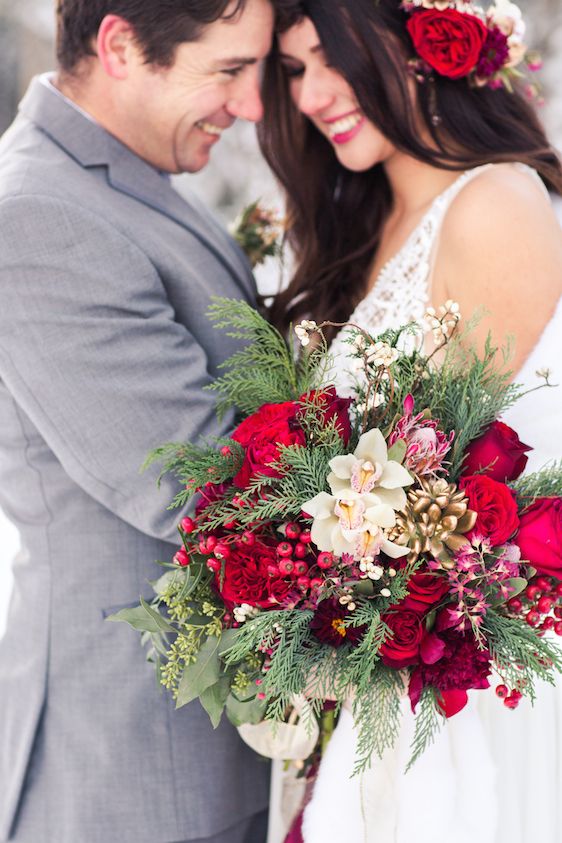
[(91, 146)]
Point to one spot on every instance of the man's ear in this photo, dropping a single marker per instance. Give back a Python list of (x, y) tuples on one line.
[(116, 46)]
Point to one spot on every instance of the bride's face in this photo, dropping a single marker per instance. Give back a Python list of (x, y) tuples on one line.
[(325, 97)]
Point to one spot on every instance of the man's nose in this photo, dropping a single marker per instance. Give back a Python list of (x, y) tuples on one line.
[(247, 102)]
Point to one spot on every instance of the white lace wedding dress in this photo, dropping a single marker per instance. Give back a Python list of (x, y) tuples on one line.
[(492, 776)]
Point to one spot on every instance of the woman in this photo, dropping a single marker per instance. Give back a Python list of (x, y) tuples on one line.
[(414, 175)]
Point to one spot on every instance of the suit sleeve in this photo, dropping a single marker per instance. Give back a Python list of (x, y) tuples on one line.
[(91, 351)]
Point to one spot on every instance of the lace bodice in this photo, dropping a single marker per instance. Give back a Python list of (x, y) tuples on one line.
[(401, 291)]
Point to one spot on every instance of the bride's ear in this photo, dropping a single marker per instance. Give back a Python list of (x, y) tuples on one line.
[(116, 46)]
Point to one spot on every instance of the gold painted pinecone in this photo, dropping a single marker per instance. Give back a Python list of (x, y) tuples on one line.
[(433, 521)]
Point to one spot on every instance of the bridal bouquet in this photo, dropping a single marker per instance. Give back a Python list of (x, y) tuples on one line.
[(363, 548)]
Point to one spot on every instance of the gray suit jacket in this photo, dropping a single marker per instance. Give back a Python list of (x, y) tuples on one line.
[(105, 278)]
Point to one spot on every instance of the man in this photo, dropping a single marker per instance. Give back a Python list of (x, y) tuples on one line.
[(105, 348)]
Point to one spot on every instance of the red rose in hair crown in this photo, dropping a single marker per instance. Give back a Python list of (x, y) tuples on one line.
[(449, 41)]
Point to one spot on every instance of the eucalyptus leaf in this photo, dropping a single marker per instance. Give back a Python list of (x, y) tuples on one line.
[(162, 623), (214, 699), (228, 639), (245, 712), (141, 619), (201, 674)]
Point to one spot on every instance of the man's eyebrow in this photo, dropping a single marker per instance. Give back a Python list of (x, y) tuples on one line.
[(235, 60)]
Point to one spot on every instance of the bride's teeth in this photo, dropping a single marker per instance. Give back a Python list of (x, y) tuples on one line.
[(346, 124), (210, 128)]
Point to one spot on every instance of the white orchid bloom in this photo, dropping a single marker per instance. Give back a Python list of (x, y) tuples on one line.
[(368, 470), (367, 490)]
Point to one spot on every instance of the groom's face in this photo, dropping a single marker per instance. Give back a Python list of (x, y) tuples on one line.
[(172, 117)]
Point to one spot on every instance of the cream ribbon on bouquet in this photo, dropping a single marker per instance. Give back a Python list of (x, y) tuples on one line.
[(291, 741)]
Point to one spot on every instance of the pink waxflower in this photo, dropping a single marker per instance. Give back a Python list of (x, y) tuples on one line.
[(426, 445)]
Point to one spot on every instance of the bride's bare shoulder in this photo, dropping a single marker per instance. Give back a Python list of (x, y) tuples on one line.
[(501, 248), (503, 200)]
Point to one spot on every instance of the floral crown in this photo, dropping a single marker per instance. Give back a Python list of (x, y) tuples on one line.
[(459, 39)]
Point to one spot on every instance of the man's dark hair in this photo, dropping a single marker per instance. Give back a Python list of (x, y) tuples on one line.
[(160, 25)]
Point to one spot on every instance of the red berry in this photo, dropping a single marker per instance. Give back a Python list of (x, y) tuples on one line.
[(187, 525), (292, 530), (502, 691), (300, 567), (548, 623), (558, 589), (305, 537), (316, 582), (226, 452), (532, 592), (286, 567), (273, 570), (545, 605), (248, 538), (543, 583), (511, 702), (203, 547), (181, 558), (558, 612), (230, 525), (214, 564), (261, 696), (304, 583), (533, 618), (300, 550), (222, 550), (558, 627), (284, 549), (515, 605), (325, 560)]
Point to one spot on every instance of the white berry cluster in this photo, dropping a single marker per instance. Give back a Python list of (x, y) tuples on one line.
[(443, 322), (244, 612), (304, 329)]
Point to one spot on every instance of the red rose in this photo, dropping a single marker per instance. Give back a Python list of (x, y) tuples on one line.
[(248, 578), (403, 648), (449, 41), (495, 505), (540, 536), (261, 434), (424, 592), (500, 448), (332, 406), (328, 625)]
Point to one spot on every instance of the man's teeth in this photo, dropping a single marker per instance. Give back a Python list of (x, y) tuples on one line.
[(210, 128), (346, 124)]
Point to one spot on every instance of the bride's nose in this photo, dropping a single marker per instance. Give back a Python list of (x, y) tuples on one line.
[(314, 95)]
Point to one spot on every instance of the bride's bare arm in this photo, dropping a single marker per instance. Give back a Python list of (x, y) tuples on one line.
[(501, 249)]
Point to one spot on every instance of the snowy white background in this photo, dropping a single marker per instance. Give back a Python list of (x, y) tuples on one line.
[(237, 174)]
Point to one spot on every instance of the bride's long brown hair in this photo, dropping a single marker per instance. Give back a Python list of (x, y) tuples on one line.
[(335, 215)]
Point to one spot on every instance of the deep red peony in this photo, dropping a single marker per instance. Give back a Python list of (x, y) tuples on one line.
[(328, 625), (496, 507), (261, 434), (425, 591), (540, 536), (248, 578), (463, 666), (332, 406), (403, 648), (449, 41), (500, 448)]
